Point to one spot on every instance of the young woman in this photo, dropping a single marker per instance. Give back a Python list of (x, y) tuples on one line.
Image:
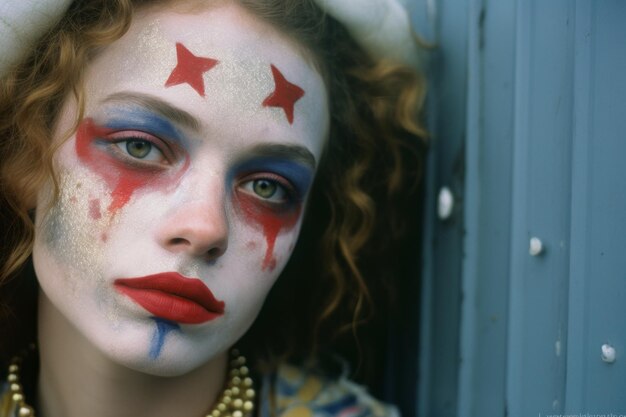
[(159, 160)]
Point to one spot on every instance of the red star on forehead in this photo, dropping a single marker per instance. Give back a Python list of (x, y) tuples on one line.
[(285, 94), (190, 69)]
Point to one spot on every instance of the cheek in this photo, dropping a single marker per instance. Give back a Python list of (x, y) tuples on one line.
[(72, 231), (271, 222)]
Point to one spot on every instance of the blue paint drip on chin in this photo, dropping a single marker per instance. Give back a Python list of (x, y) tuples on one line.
[(163, 327)]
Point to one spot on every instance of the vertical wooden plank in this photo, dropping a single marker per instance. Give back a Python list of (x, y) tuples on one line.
[(598, 287), (439, 333), (541, 208), (579, 262), (491, 38)]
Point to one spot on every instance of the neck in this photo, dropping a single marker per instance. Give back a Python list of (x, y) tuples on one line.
[(76, 379)]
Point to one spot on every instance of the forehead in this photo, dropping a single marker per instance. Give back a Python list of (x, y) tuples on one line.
[(245, 49)]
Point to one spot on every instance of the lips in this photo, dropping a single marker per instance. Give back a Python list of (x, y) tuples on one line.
[(173, 297)]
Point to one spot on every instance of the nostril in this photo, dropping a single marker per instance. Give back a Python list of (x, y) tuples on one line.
[(197, 247), (214, 253), (178, 241)]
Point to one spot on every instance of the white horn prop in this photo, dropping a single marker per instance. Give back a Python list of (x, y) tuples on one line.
[(381, 27), (22, 23)]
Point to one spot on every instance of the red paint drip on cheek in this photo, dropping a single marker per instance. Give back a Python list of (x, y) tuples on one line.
[(271, 227), (122, 192), (123, 180), (271, 221), (269, 263)]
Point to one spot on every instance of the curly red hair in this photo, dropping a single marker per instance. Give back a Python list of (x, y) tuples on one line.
[(373, 155)]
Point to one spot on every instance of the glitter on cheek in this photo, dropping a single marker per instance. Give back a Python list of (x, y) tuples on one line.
[(94, 208), (68, 228)]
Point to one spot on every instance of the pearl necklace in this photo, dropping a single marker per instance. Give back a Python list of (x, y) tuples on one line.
[(237, 399)]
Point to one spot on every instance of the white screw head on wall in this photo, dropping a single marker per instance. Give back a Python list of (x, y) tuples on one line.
[(608, 353), (536, 246), (445, 203)]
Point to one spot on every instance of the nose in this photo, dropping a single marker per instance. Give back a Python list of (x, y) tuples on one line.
[(198, 228)]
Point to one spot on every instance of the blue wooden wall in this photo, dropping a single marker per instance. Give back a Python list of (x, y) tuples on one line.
[(528, 115)]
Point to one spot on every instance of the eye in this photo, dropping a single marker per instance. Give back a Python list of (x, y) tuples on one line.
[(264, 188), (267, 189), (141, 149), (138, 149)]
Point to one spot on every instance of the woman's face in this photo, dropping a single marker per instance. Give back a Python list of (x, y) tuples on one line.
[(183, 189)]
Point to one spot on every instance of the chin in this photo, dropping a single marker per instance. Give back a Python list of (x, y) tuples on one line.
[(162, 367), (136, 349)]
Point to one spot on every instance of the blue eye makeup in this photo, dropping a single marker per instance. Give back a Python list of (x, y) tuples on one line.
[(286, 168), (143, 120), (298, 175)]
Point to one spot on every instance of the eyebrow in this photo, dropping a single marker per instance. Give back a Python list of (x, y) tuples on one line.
[(157, 106), (295, 153)]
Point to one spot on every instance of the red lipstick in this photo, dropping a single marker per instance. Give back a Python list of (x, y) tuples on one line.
[(173, 297)]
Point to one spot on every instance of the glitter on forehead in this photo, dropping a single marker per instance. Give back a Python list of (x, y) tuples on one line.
[(285, 94), (150, 40), (240, 84), (237, 85), (189, 69)]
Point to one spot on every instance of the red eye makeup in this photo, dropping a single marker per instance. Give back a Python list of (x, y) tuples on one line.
[(127, 160), (292, 180)]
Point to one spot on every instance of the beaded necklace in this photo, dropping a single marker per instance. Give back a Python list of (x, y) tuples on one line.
[(236, 400)]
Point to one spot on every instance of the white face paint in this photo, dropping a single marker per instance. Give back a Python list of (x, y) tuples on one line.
[(183, 189)]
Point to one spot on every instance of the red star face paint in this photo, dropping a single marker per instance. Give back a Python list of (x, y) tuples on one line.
[(284, 95), (194, 159), (189, 69)]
